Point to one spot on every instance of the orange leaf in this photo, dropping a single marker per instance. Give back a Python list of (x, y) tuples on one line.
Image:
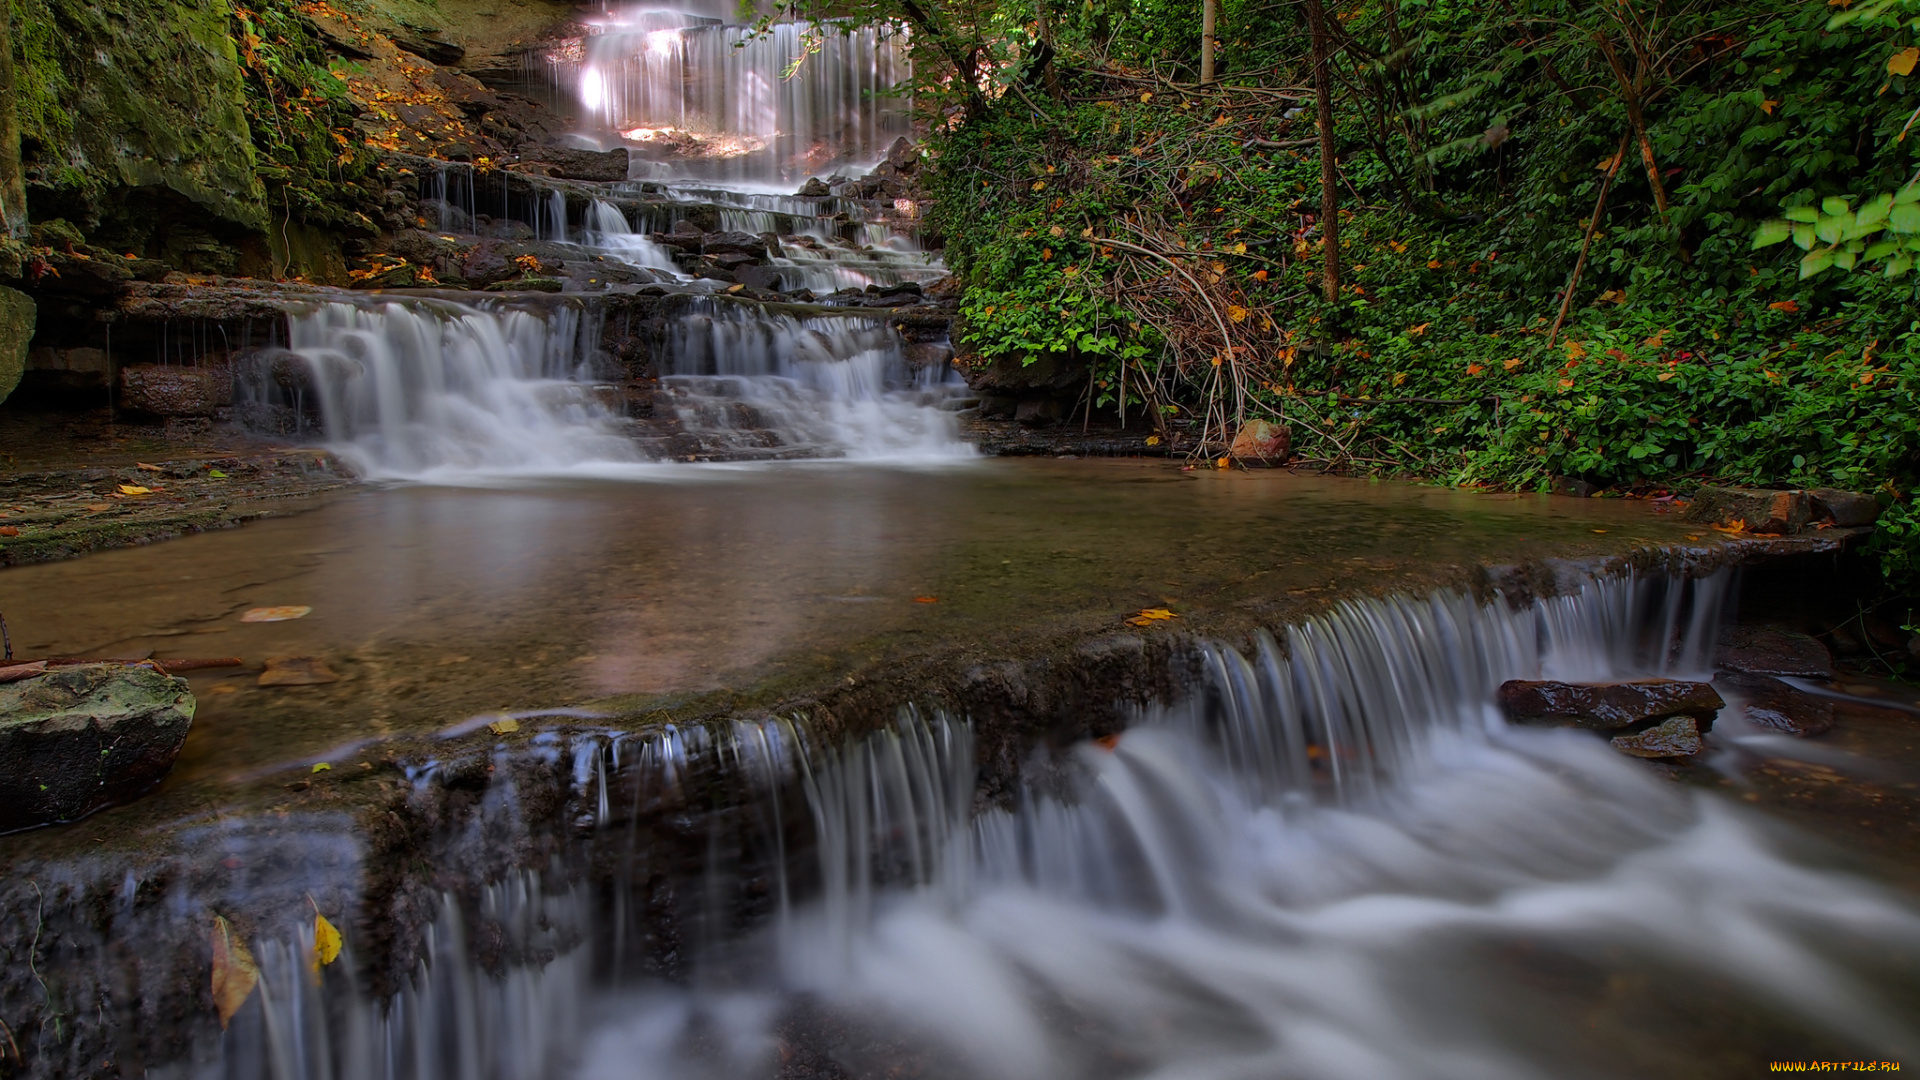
[(234, 972), (1788, 306), (275, 614), (1575, 350), (1767, 107), (1474, 369), (926, 599)]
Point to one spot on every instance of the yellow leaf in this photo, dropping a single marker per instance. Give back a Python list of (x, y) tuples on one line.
[(504, 725), (1416, 331), (321, 766), (1767, 107), (1901, 63), (1236, 313), (234, 972), (1656, 341), (1433, 264), (1223, 462), (135, 489), (1039, 185), (1239, 249), (1046, 254), (275, 614), (326, 942), (1153, 440), (1399, 377), (1219, 268), (1664, 376), (1149, 616), (1511, 364), (1575, 350)]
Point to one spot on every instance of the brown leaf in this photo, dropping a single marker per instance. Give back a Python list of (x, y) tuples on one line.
[(297, 671), (234, 972), (275, 614)]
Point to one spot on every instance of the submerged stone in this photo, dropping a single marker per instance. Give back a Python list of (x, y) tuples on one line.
[(1777, 705), (1607, 706), (297, 671), (83, 737), (1677, 736), (1764, 650)]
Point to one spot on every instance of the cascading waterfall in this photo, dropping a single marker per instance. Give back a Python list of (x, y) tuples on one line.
[(426, 389), (608, 230), (776, 385), (1335, 860), (779, 106)]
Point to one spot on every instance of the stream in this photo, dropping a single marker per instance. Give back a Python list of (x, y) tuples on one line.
[(1283, 830)]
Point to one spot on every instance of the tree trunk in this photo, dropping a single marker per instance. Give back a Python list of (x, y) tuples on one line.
[(1209, 11), (1329, 168)]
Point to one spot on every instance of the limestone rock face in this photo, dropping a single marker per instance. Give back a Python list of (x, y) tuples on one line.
[(87, 736), (16, 329)]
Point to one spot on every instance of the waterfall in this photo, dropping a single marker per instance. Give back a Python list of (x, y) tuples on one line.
[(608, 230), (1334, 859), (438, 391), (430, 389), (770, 108), (783, 386)]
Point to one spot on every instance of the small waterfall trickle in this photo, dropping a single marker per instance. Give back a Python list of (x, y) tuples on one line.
[(780, 386), (608, 230)]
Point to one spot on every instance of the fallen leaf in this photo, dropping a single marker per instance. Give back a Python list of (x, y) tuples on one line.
[(1664, 376), (1039, 185), (296, 671), (1788, 306), (1901, 63), (1512, 364), (1575, 350), (1433, 264), (1153, 440), (926, 599), (149, 468), (97, 507), (1416, 331), (1767, 107), (234, 972), (9, 530), (1149, 616), (1737, 525), (326, 942), (1236, 313), (275, 614), (321, 766), (1475, 369), (506, 725), (1599, 530), (1107, 742), (16, 672), (1656, 341), (216, 474), (135, 489), (1259, 275)]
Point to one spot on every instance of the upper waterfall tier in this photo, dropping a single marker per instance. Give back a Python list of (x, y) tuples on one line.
[(697, 97)]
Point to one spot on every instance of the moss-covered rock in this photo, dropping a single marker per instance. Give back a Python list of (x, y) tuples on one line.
[(144, 95), (79, 738), (16, 329)]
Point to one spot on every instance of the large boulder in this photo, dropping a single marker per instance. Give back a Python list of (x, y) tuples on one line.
[(1608, 706), (1261, 443), (567, 163), (16, 329), (79, 738), (1765, 650)]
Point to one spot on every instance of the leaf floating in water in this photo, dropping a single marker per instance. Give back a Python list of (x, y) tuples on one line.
[(297, 671), (275, 614), (234, 972), (926, 599), (326, 942), (1149, 616), (504, 725), (1107, 742)]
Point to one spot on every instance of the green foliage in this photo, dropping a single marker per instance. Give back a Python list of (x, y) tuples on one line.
[(1848, 234)]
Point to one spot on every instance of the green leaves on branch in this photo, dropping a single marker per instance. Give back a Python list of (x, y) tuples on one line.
[(1849, 236)]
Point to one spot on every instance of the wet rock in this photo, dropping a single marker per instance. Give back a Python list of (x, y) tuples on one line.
[(1607, 706), (757, 277), (1764, 650), (814, 188), (1845, 509), (733, 261), (87, 736), (428, 47), (1678, 736), (567, 163), (1751, 509), (297, 671), (528, 284), (927, 354), (1572, 486), (1777, 705), (17, 315), (734, 243), (903, 155), (1261, 442), (175, 391)]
